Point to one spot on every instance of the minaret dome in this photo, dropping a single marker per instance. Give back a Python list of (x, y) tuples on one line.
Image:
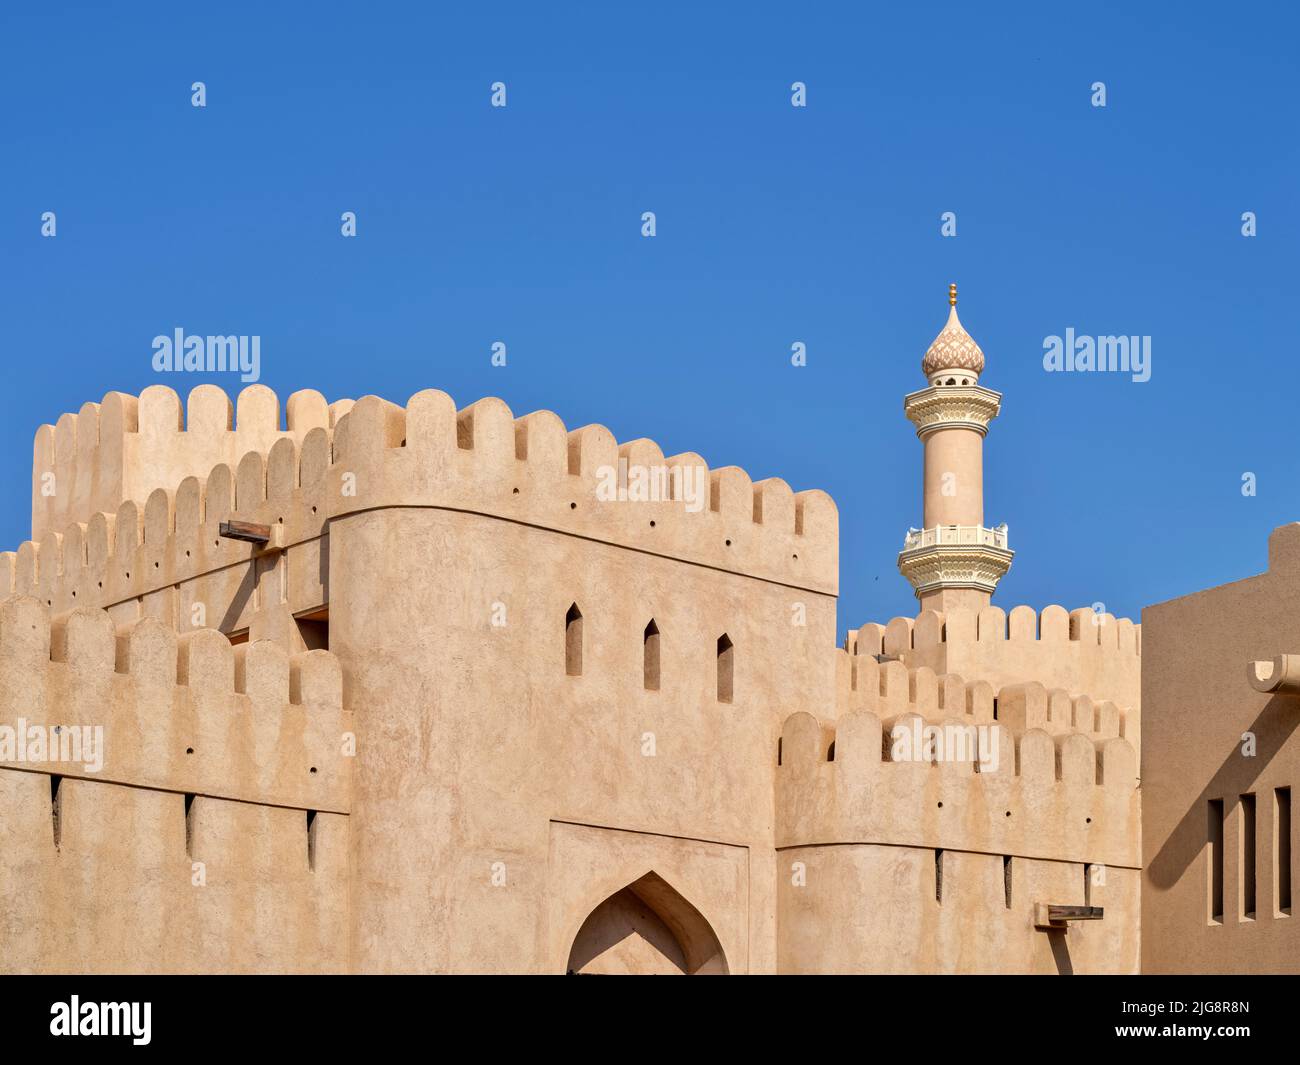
[(954, 353)]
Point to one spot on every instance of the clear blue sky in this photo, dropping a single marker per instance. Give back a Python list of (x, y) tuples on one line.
[(775, 225)]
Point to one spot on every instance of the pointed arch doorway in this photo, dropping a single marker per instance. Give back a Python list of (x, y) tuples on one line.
[(646, 928)]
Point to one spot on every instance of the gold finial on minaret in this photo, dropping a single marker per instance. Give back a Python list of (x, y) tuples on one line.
[(952, 295)]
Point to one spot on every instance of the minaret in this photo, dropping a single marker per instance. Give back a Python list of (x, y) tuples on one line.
[(954, 561)]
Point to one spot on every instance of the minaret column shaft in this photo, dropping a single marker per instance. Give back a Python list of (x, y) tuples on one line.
[(947, 599), (954, 477)]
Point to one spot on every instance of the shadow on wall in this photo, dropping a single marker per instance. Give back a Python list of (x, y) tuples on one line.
[(1236, 776), (1060, 951), (646, 929)]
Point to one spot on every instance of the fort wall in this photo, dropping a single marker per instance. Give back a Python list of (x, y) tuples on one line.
[(407, 528), (953, 855), (520, 768), (870, 908), (515, 742), (211, 835), (480, 459), (126, 447), (1020, 793), (1073, 654)]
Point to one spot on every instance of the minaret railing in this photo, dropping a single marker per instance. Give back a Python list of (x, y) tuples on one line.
[(956, 535)]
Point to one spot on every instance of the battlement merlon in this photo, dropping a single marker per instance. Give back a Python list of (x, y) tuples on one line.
[(480, 459), (125, 447), (888, 688), (193, 715), (1028, 794), (1080, 651)]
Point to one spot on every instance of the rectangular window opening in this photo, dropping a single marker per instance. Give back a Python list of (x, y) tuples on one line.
[(1246, 853), (314, 631), (189, 826), (311, 840), (651, 657), (573, 642), (1282, 850), (1214, 857), (56, 810), (726, 668)]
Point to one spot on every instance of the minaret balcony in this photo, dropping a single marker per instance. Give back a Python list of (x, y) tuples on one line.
[(954, 557), (956, 534), (943, 406)]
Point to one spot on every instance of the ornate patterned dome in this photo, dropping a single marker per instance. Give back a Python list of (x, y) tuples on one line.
[(953, 348)]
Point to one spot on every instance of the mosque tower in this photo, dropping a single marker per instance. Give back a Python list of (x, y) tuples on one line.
[(954, 560)]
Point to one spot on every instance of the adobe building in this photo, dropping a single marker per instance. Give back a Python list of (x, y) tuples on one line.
[(420, 689), (1221, 753)]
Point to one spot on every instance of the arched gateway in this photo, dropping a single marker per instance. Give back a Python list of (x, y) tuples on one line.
[(644, 929)]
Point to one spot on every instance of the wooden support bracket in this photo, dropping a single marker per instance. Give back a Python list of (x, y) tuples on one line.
[(263, 537), (1050, 916)]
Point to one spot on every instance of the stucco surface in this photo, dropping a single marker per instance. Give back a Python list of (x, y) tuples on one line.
[(413, 731), (1209, 736)]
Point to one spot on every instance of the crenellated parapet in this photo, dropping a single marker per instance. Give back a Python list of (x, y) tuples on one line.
[(864, 682), (533, 470), (196, 715), (960, 784), (888, 688), (1081, 652), (340, 459), (167, 552), (125, 447)]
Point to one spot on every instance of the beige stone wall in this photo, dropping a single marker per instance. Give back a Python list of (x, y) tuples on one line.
[(530, 484), (502, 814), (872, 908), (120, 894), (1062, 798), (163, 557), (1198, 707), (106, 872), (127, 447), (161, 548), (1089, 660), (475, 738), (1062, 794), (480, 741), (713, 879), (860, 823)]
